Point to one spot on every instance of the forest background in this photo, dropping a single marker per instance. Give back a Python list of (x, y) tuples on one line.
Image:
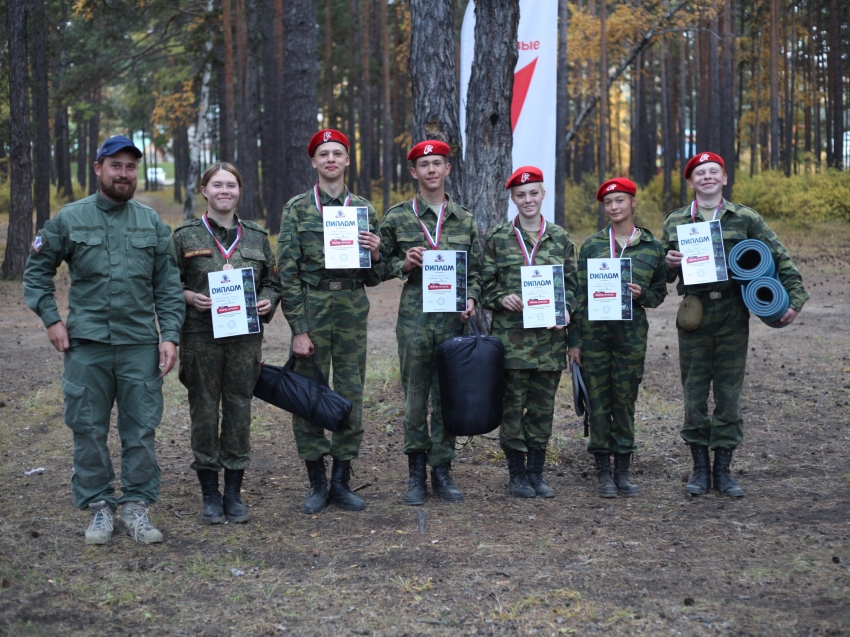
[(641, 87)]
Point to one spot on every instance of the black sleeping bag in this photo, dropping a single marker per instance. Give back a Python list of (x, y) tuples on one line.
[(471, 371)]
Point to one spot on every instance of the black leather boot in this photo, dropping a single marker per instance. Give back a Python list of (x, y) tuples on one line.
[(317, 501), (700, 481), (443, 485), (233, 507), (605, 487), (723, 480), (415, 494), (213, 512), (518, 485), (626, 487), (536, 461), (340, 493)]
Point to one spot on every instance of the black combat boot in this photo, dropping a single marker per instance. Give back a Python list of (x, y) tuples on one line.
[(700, 481), (605, 487), (626, 487), (443, 485), (536, 460), (723, 480), (213, 512), (340, 493), (233, 507), (317, 501), (519, 486), (415, 494)]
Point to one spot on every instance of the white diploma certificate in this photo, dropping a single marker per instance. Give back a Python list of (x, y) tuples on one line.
[(703, 258), (234, 303), (608, 296), (543, 302), (342, 226), (443, 281)]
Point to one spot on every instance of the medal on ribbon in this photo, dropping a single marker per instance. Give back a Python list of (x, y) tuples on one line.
[(529, 258), (431, 242), (614, 242), (319, 201), (225, 253), (694, 211)]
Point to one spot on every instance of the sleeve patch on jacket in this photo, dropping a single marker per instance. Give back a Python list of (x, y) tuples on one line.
[(37, 243), (197, 252)]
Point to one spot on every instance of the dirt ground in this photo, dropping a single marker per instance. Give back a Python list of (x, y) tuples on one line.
[(773, 563)]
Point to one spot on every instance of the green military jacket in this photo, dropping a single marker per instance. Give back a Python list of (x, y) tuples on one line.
[(400, 231), (738, 223), (198, 255), (301, 253), (538, 348), (649, 271), (123, 271)]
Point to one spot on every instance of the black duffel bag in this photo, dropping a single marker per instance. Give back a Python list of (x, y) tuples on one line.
[(581, 398), (471, 371), (305, 397)]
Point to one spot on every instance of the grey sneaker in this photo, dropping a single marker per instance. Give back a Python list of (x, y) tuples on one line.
[(134, 520), (102, 523)]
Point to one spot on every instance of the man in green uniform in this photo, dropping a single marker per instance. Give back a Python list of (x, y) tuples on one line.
[(122, 266), (714, 352), (327, 311), (431, 220)]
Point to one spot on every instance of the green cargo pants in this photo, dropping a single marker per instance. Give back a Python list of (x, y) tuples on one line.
[(223, 373), (612, 365), (715, 355), (96, 376), (529, 409), (337, 322)]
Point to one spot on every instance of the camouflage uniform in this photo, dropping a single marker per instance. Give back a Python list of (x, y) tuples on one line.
[(222, 370), (716, 352), (331, 306), (534, 358), (420, 333), (123, 280), (613, 351)]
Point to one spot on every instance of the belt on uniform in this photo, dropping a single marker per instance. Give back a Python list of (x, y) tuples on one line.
[(714, 296), (335, 286)]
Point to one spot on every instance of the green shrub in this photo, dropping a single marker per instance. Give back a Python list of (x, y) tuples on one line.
[(801, 198)]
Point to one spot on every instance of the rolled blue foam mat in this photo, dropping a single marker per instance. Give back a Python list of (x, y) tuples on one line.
[(766, 298), (751, 259)]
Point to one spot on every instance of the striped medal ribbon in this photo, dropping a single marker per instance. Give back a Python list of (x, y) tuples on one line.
[(229, 252), (435, 245), (694, 211), (614, 242), (319, 201), (529, 258)]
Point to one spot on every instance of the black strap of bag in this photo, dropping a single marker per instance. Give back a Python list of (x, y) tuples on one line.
[(317, 373)]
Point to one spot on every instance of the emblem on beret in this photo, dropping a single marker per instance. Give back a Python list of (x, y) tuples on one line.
[(525, 177), (429, 149), (703, 157), (611, 187), (327, 135)]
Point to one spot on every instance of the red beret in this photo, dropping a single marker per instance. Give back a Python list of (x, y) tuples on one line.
[(428, 147), (618, 184), (703, 158), (524, 175), (324, 136)]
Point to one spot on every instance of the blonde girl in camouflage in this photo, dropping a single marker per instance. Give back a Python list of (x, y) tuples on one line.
[(611, 353), (221, 371), (534, 358)]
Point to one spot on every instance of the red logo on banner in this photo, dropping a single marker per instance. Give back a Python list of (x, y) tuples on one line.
[(522, 80)]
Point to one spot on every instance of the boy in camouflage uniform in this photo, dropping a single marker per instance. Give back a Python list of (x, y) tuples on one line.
[(611, 353), (327, 312), (534, 357), (715, 353), (403, 236)]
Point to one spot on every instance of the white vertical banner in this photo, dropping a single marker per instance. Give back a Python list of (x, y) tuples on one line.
[(534, 107)]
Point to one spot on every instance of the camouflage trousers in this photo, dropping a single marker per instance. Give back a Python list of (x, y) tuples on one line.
[(419, 336), (715, 355), (337, 322), (612, 365), (220, 373), (529, 409)]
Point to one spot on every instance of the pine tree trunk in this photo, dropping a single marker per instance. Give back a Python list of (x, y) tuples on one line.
[(63, 155), (94, 143), (639, 131), (774, 84), (652, 127), (436, 102), (488, 114), (669, 153), (563, 113), (20, 233), (272, 137), (40, 112), (82, 154), (366, 115), (228, 133), (388, 107), (603, 108), (327, 69), (726, 98), (682, 145), (790, 108), (248, 49), (836, 127)]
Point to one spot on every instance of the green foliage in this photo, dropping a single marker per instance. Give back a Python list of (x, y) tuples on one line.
[(803, 198)]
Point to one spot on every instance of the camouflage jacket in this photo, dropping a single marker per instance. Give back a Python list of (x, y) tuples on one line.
[(301, 253), (539, 348), (198, 255), (400, 231), (648, 271), (123, 273), (738, 223)]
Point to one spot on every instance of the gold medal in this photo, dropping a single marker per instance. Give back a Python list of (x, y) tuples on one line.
[(227, 266)]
